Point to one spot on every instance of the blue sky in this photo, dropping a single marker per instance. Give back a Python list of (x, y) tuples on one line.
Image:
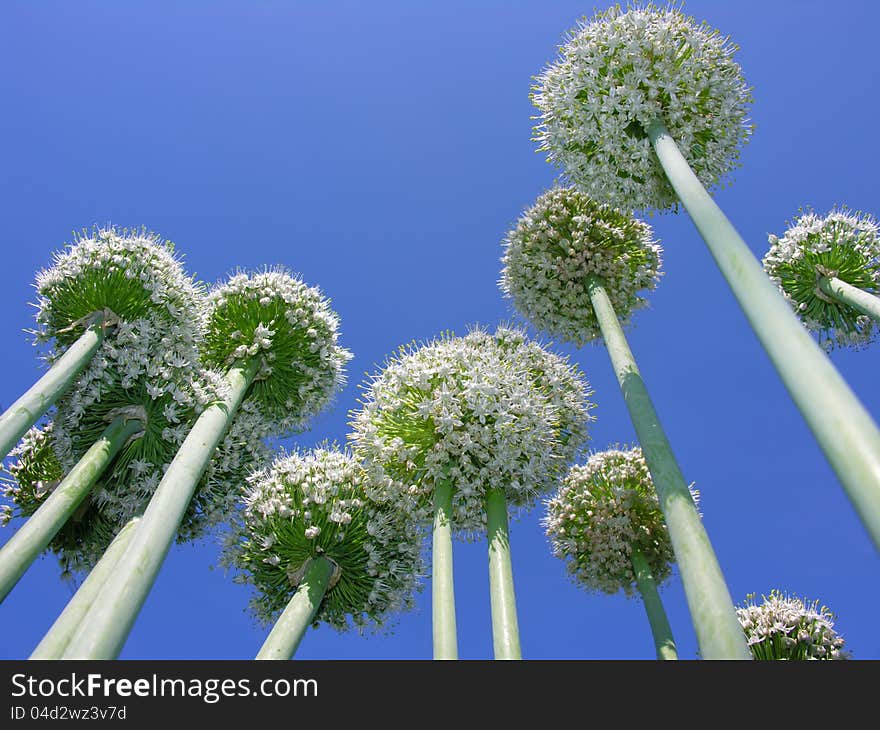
[(382, 150)]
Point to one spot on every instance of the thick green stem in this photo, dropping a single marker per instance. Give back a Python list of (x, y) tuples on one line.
[(58, 637), (291, 625), (26, 411), (442, 585), (712, 611), (852, 296), (505, 629), (109, 621), (843, 428), (34, 535), (660, 627)]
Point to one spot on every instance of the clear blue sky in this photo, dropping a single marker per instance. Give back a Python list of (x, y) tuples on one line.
[(382, 150)]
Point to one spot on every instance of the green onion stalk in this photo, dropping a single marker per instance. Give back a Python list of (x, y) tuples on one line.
[(276, 337), (828, 268), (575, 268), (55, 641), (470, 427), (645, 109), (320, 543), (104, 277), (606, 524), (43, 394), (784, 627), (34, 536)]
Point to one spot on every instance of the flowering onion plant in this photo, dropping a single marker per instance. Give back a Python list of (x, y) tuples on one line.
[(123, 402), (106, 276), (828, 268), (786, 627), (559, 243), (605, 523), (576, 267), (644, 106), (276, 337), (321, 544), (467, 426)]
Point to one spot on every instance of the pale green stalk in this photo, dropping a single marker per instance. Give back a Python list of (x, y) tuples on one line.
[(505, 629), (57, 638), (851, 296), (109, 620), (35, 535), (660, 628), (26, 411), (288, 631), (843, 428), (712, 611), (442, 584)]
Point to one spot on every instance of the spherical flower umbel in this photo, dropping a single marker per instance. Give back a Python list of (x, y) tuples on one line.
[(321, 504), (786, 627), (130, 273), (557, 244), (604, 510), (291, 329), (618, 72), (843, 245), (481, 411)]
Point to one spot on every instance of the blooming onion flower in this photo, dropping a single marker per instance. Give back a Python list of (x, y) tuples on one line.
[(605, 509), (618, 72), (785, 627), (482, 411), (557, 244), (321, 503), (291, 329), (842, 245), (131, 273)]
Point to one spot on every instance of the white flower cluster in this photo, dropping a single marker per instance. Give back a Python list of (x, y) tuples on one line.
[(559, 242), (785, 627), (482, 411), (841, 244), (291, 328), (616, 74), (605, 509), (132, 273), (33, 471), (320, 504)]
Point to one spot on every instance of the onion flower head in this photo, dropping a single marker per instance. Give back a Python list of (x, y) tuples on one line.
[(618, 72), (562, 240), (481, 411)]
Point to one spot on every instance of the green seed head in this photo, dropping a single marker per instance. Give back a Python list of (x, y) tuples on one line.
[(562, 240), (290, 328), (842, 245)]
